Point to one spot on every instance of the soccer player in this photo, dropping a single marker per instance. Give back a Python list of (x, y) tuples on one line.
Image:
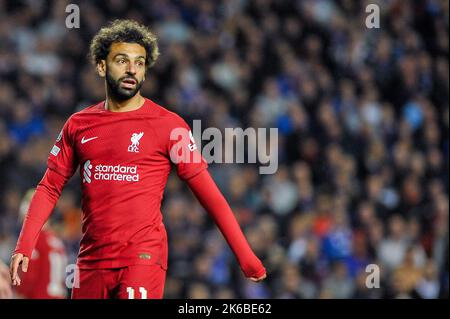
[(45, 278), (125, 147)]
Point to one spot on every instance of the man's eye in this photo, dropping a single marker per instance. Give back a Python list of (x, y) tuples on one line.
[(140, 63), (121, 61)]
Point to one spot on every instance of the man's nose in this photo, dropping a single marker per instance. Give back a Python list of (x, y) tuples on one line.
[(131, 68)]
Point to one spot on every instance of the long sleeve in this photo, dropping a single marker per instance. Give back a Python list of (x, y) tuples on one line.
[(208, 194), (44, 200)]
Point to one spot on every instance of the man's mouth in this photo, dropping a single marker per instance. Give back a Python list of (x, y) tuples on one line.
[(129, 83)]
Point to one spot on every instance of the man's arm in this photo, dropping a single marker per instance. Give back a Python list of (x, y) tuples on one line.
[(44, 200), (209, 195)]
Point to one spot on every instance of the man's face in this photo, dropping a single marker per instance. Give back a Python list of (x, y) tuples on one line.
[(124, 69)]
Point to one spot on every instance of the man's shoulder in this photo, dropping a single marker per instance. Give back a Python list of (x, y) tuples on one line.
[(94, 108), (91, 109), (170, 118)]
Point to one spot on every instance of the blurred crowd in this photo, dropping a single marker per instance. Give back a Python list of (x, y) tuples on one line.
[(362, 114)]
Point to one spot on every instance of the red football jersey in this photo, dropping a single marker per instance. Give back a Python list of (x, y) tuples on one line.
[(125, 159), (45, 278)]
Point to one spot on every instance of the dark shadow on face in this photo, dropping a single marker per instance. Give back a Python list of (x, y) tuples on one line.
[(119, 93)]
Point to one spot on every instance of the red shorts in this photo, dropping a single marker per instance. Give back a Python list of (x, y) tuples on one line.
[(132, 282)]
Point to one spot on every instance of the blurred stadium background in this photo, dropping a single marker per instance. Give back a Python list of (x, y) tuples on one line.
[(363, 119)]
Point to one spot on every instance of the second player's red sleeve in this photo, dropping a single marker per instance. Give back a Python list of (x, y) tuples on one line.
[(44, 200), (209, 195)]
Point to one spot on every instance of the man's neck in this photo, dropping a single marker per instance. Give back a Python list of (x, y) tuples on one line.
[(131, 104)]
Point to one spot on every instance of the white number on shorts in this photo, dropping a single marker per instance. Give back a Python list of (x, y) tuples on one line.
[(142, 291)]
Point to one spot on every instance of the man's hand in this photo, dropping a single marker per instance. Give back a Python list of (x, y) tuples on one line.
[(254, 279), (16, 260)]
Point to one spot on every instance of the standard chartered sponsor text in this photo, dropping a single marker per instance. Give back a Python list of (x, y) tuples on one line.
[(120, 173), (116, 173)]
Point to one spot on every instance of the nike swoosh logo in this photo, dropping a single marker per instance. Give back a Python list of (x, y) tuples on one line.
[(85, 140)]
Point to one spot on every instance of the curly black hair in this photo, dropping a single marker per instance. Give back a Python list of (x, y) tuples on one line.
[(124, 31)]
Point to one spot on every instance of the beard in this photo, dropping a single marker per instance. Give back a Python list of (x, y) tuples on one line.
[(119, 93)]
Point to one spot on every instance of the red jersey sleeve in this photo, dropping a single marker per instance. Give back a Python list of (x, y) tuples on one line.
[(209, 195), (62, 157), (44, 200), (183, 150), (61, 166)]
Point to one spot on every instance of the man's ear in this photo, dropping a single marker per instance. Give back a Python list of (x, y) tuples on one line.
[(101, 68)]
